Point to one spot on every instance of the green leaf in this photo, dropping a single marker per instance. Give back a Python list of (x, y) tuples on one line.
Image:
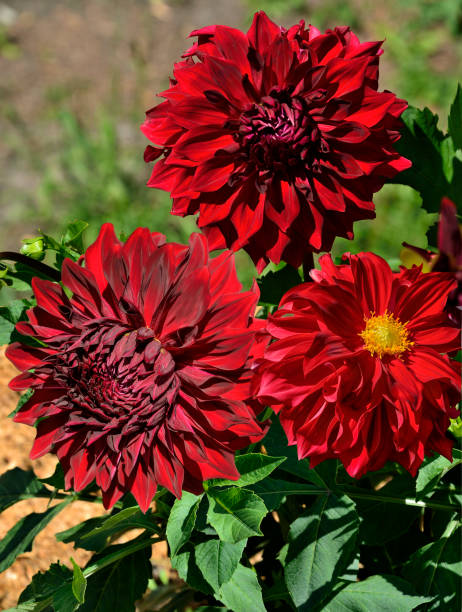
[(181, 521), (432, 470), (79, 535), (19, 538), (9, 316), (421, 143), (383, 521), (73, 235), (79, 582), (3, 275), (242, 593), (235, 513), (218, 560), (275, 443), (351, 572), (447, 158), (435, 569), (384, 593), (56, 480), (56, 583), (105, 575), (185, 564), (273, 285), (274, 491), (326, 473), (252, 467), (16, 485), (128, 518), (118, 585), (321, 546), (277, 592), (455, 119), (22, 400)]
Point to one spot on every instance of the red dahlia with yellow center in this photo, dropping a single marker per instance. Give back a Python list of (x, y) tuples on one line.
[(277, 138), (358, 369), (141, 373)]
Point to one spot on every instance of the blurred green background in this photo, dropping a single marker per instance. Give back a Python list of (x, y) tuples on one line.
[(78, 76)]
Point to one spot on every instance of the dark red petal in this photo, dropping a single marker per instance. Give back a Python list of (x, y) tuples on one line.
[(346, 75), (449, 234), (187, 308), (427, 296), (25, 358), (47, 431), (212, 175), (152, 153), (232, 45), (373, 281), (143, 487), (436, 331), (83, 469), (428, 365), (262, 32), (106, 243)]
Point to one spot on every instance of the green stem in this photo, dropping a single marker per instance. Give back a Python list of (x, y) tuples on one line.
[(403, 501), (372, 497), (128, 549), (32, 263)]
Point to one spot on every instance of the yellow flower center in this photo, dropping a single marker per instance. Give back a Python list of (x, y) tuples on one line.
[(385, 335)]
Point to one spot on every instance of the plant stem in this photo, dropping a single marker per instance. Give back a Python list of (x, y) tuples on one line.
[(128, 549), (408, 501), (403, 501), (32, 263)]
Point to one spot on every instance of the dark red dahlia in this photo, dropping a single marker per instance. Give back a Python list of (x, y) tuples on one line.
[(144, 371), (449, 258), (277, 138), (358, 371)]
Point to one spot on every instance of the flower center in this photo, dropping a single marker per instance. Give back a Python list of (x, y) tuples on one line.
[(118, 377), (385, 335), (278, 136)]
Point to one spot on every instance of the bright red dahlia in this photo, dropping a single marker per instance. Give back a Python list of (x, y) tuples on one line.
[(357, 371), (277, 138), (144, 370)]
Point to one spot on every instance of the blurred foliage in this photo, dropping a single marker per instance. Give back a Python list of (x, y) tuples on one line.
[(96, 179), (400, 218), (9, 48), (321, 14), (93, 170)]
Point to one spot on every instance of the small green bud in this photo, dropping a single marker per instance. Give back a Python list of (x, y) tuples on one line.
[(456, 427), (34, 247)]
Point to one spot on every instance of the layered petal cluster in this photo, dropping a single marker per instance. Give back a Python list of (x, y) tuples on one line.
[(358, 369), (277, 138), (141, 377), (449, 258)]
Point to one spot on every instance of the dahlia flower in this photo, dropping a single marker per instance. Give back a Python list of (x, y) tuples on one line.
[(449, 258), (141, 376), (277, 138), (357, 370)]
